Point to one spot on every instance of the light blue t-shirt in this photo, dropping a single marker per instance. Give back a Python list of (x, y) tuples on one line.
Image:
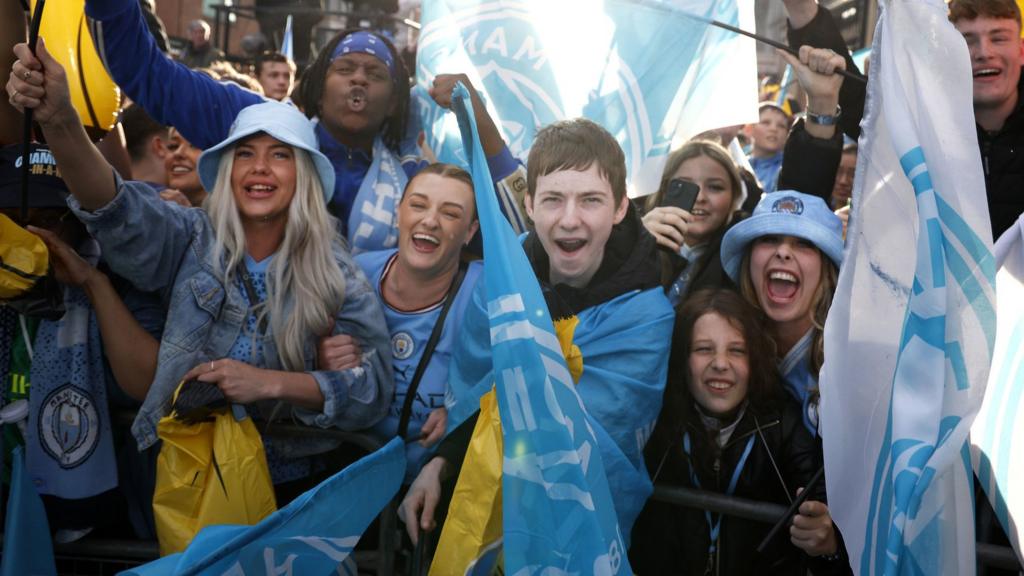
[(410, 330)]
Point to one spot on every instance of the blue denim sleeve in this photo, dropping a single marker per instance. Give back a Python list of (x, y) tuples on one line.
[(201, 108), (359, 397), (143, 238)]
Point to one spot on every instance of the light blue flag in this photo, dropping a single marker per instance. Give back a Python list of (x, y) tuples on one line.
[(314, 534), (998, 432), (28, 550), (286, 40), (910, 334), (558, 513), (645, 72)]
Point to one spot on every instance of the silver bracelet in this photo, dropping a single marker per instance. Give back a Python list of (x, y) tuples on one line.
[(824, 119)]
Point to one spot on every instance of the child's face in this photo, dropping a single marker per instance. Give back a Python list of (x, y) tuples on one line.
[(719, 366), (770, 132)]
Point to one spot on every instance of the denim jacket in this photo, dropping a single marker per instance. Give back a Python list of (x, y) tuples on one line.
[(159, 246)]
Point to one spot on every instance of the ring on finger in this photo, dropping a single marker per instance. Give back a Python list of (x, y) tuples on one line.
[(26, 75), (211, 366)]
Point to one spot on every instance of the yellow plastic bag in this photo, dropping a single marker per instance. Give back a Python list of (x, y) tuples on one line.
[(23, 259), (472, 534), (209, 473)]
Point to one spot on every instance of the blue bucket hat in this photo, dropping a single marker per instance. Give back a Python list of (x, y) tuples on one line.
[(280, 121), (786, 213)]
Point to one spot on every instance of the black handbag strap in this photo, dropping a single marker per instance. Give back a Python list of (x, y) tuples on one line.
[(435, 335), (254, 299)]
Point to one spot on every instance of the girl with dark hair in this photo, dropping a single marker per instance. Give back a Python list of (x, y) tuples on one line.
[(726, 426)]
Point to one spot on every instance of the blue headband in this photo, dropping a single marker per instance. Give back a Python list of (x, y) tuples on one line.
[(367, 43)]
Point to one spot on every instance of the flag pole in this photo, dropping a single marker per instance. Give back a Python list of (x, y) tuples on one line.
[(792, 509), (33, 35), (742, 32)]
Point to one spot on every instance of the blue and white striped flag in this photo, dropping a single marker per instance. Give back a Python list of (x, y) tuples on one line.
[(997, 436), (910, 335), (314, 534), (651, 76), (558, 513)]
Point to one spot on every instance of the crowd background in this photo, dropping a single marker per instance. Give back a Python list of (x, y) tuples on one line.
[(739, 363)]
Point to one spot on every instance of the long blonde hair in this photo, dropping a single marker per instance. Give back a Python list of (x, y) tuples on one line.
[(304, 269)]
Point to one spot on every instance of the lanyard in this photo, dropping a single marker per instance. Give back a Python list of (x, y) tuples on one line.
[(715, 526)]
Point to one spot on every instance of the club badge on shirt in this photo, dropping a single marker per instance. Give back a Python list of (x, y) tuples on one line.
[(69, 426)]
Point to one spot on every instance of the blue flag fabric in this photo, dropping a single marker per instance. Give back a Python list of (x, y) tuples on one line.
[(286, 40), (650, 75), (314, 534), (911, 330), (558, 513), (28, 550)]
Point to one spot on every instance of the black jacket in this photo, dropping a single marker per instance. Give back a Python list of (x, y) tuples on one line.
[(669, 539), (1002, 157)]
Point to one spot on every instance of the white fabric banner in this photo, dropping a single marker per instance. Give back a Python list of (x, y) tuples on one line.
[(997, 437), (909, 337)]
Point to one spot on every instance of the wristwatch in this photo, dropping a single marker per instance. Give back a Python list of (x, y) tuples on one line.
[(824, 119)]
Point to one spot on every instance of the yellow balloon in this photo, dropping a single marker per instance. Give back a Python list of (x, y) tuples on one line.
[(66, 32)]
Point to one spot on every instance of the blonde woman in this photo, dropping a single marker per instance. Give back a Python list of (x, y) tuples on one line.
[(251, 283)]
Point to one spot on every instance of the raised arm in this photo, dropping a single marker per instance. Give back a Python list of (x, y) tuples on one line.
[(813, 150), (812, 25), (39, 83), (201, 108), (143, 237), (507, 173)]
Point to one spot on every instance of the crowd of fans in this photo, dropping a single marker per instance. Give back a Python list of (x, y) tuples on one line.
[(293, 246)]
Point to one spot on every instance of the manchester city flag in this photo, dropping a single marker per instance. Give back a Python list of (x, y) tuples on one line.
[(558, 516), (314, 534), (652, 76), (910, 334), (997, 437)]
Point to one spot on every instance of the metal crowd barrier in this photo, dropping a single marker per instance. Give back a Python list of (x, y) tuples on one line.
[(990, 555), (130, 552)]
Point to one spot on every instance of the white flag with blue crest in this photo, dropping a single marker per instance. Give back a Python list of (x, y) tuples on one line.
[(910, 334), (650, 75), (558, 513), (997, 436)]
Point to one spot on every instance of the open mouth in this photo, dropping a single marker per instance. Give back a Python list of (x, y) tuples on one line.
[(986, 72), (357, 99), (699, 212), (179, 169), (259, 190), (425, 242), (782, 286), (718, 385), (570, 246)]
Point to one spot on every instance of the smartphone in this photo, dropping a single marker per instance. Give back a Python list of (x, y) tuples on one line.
[(681, 194)]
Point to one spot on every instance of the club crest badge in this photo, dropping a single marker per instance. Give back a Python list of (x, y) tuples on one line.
[(402, 346), (69, 429)]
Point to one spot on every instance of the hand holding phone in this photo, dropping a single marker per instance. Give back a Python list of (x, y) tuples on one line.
[(681, 194)]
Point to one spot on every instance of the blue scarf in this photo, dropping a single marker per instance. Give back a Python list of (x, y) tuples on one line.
[(373, 221)]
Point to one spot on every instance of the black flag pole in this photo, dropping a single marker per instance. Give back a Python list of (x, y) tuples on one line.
[(26, 150)]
